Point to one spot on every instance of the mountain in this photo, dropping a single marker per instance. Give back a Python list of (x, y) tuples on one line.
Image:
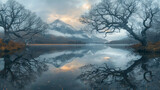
[(62, 27), (59, 28), (59, 32)]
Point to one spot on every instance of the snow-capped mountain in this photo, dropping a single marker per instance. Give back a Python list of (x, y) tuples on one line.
[(59, 28), (62, 33)]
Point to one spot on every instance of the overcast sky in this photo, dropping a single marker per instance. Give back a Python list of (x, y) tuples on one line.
[(68, 11)]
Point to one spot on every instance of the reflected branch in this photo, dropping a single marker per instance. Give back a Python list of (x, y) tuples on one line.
[(96, 76), (20, 70)]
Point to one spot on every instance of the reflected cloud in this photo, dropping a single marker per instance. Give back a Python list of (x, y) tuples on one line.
[(59, 65), (106, 58), (72, 66)]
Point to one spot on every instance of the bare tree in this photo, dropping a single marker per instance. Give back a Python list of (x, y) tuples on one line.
[(96, 76), (19, 22), (21, 69), (134, 16)]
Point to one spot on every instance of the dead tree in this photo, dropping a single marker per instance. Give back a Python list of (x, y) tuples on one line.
[(134, 16), (18, 22), (97, 75), (21, 69)]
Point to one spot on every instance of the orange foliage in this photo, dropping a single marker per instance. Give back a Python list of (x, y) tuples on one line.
[(11, 46), (151, 47)]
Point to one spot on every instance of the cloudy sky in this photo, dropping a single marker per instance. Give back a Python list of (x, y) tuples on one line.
[(68, 11)]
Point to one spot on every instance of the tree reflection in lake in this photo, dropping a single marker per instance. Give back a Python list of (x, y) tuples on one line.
[(142, 74), (56, 67), (20, 70)]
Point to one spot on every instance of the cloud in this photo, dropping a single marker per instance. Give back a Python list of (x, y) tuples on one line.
[(68, 11)]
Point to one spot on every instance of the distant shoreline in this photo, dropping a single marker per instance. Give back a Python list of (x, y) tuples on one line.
[(79, 44), (60, 44)]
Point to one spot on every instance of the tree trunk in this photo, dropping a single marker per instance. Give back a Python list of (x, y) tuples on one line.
[(144, 42), (144, 38), (6, 37)]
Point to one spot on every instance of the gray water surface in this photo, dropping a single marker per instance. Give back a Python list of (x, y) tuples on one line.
[(66, 67)]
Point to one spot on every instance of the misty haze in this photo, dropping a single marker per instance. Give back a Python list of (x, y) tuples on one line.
[(79, 45)]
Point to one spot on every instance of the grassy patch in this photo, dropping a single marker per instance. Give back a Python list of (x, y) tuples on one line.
[(151, 48), (11, 46)]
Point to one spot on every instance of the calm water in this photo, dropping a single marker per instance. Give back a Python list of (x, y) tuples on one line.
[(79, 67)]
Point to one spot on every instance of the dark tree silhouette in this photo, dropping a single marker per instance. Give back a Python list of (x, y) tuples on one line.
[(21, 69), (96, 76), (18, 22), (134, 16)]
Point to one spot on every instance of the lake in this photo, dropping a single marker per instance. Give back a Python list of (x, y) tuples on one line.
[(79, 67)]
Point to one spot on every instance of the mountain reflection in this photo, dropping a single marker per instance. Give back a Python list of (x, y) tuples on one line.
[(21, 69), (60, 58), (142, 74), (56, 67)]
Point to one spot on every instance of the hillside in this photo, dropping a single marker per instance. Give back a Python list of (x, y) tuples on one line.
[(62, 33)]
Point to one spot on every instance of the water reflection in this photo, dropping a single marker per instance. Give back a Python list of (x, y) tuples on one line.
[(57, 68), (20, 70), (142, 74)]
